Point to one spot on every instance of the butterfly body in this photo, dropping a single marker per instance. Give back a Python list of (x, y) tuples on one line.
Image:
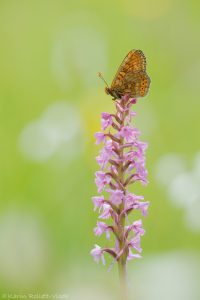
[(114, 93), (131, 77)]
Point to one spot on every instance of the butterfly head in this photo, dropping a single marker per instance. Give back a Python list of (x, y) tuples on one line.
[(108, 90), (113, 93)]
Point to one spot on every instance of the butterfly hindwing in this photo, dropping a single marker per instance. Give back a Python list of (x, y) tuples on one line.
[(136, 83), (144, 85)]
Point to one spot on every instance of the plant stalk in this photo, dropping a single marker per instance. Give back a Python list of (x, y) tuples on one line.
[(123, 258), (122, 277)]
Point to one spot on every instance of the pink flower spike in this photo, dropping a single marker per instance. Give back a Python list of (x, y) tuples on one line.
[(97, 254), (106, 120), (98, 201), (101, 180), (116, 196), (101, 227), (122, 163), (132, 256), (129, 133), (100, 137)]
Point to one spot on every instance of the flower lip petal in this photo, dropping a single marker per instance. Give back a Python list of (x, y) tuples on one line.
[(100, 137), (98, 201), (106, 120), (97, 253), (101, 180), (130, 134), (101, 227), (106, 211), (132, 256)]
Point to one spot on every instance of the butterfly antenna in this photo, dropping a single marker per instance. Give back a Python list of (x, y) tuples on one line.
[(101, 76)]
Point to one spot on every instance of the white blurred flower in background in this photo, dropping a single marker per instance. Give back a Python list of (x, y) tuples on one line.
[(24, 249), (168, 276), (182, 185), (59, 128), (171, 276)]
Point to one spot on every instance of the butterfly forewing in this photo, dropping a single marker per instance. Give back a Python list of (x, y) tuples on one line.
[(131, 77)]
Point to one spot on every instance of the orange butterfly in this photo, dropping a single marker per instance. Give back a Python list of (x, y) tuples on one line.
[(131, 77)]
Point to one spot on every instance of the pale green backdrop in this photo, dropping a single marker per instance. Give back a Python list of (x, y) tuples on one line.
[(50, 105)]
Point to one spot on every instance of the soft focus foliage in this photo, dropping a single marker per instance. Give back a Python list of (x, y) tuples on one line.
[(50, 105)]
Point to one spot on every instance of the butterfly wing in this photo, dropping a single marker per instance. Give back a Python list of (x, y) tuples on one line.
[(134, 61), (136, 84)]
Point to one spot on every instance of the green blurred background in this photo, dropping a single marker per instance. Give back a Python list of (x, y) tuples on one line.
[(51, 100)]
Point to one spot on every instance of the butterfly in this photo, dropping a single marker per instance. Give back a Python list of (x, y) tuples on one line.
[(131, 78)]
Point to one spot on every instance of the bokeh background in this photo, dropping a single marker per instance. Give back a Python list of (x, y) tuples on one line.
[(51, 100)]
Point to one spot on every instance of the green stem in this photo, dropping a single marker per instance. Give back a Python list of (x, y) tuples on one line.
[(122, 277), (123, 258)]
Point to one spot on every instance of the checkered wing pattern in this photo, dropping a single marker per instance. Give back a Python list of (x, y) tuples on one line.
[(131, 77)]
